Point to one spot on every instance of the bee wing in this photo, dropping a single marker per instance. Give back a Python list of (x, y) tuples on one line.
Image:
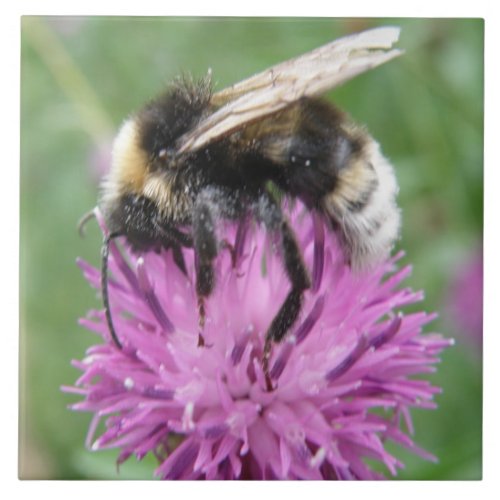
[(311, 74)]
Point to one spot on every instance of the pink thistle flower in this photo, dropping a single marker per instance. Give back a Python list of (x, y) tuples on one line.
[(465, 299), (343, 380)]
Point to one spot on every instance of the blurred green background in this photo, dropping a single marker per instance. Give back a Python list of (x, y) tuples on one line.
[(80, 78)]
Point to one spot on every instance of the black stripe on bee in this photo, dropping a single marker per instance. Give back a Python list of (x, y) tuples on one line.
[(356, 206)]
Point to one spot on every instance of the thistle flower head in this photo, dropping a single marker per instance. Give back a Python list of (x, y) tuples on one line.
[(343, 379)]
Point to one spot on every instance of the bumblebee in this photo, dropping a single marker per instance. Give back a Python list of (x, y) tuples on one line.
[(191, 158)]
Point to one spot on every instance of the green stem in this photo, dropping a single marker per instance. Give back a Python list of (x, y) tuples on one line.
[(69, 77)]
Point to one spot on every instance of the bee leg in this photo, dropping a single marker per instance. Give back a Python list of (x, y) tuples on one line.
[(296, 271), (236, 249), (104, 287), (83, 222), (226, 245), (176, 240), (201, 320), (205, 246), (179, 258)]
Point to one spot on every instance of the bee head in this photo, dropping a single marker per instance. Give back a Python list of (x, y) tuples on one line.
[(164, 120), (147, 142)]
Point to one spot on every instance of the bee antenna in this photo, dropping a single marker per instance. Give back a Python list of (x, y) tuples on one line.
[(83, 222), (104, 287)]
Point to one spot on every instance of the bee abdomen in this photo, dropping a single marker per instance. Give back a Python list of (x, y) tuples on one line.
[(363, 208)]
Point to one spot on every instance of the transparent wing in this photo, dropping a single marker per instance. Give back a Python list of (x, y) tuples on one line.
[(311, 74)]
